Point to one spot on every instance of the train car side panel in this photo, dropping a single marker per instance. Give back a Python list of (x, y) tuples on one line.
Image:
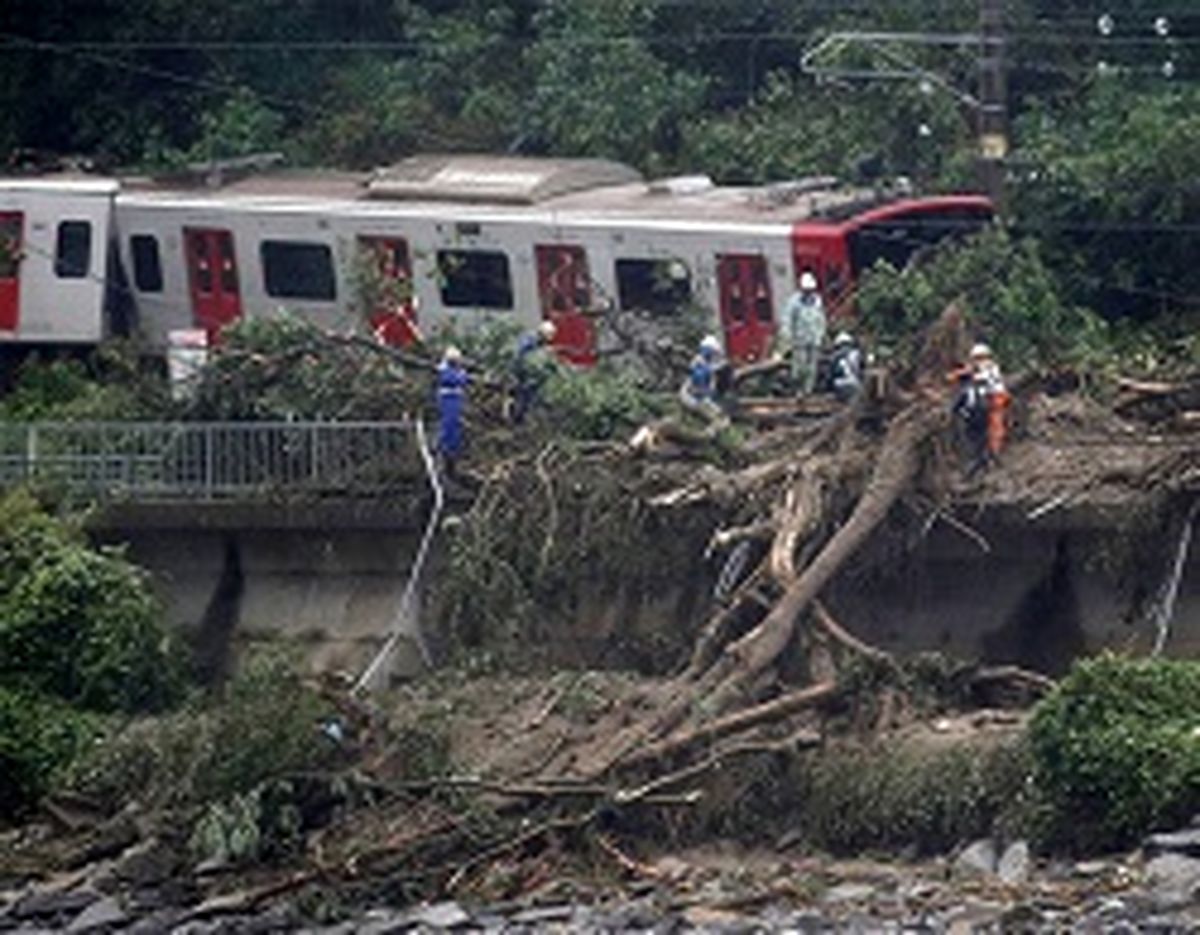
[(54, 290)]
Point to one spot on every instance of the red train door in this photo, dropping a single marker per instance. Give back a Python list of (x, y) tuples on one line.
[(565, 291), (393, 319), (11, 225), (213, 278), (745, 296)]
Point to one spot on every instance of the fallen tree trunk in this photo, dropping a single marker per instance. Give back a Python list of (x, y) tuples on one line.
[(731, 676)]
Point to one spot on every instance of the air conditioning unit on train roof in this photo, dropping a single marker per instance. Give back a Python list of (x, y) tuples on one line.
[(508, 179), (681, 185)]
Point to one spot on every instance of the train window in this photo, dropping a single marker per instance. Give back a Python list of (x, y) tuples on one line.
[(660, 287), (73, 249), (475, 278), (297, 270), (147, 264), (896, 239)]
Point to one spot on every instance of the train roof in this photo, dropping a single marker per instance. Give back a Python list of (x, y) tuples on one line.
[(516, 185), (461, 186)]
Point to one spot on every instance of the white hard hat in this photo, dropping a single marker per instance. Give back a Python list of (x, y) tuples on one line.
[(980, 351), (843, 337), (710, 343), (547, 330), (452, 355), (808, 281)]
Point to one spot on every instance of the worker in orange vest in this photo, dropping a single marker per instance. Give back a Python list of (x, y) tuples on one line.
[(982, 403)]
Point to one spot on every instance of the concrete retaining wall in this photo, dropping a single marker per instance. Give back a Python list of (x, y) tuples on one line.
[(1039, 596)]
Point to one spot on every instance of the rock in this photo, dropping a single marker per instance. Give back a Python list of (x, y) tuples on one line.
[(978, 858), (105, 914), (1186, 842), (157, 923), (1025, 917), (717, 920), (147, 863), (439, 915), (971, 917), (383, 922), (1013, 868), (1174, 880), (41, 904), (541, 915), (848, 893)]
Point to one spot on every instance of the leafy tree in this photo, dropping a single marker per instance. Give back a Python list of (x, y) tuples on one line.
[(1109, 187), (599, 90), (77, 623), (794, 128), (1008, 294)]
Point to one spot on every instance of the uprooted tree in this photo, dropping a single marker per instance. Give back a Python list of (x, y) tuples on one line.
[(738, 651)]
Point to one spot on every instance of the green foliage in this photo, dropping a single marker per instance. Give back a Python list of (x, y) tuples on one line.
[(239, 125), (595, 77), (109, 386), (1108, 188), (262, 725), (596, 404), (1117, 751), (1006, 291), (39, 738), (919, 796), (792, 129), (282, 368), (76, 622)]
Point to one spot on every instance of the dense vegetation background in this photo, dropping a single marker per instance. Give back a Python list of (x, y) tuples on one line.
[(1104, 171)]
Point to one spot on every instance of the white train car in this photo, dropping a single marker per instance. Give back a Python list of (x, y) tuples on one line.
[(467, 239), (54, 241)]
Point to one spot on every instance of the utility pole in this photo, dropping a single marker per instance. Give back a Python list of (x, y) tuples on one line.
[(993, 100)]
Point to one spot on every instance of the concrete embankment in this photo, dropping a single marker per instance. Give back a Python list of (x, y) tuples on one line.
[(992, 585)]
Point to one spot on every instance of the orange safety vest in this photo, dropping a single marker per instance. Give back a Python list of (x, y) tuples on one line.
[(997, 422)]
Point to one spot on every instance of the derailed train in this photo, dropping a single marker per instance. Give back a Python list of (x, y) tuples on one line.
[(467, 239)]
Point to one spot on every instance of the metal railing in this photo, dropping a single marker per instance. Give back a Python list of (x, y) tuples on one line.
[(210, 461)]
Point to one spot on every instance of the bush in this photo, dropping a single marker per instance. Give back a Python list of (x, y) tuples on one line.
[(926, 799), (78, 623), (596, 404), (109, 386), (39, 737), (264, 723), (1117, 751)]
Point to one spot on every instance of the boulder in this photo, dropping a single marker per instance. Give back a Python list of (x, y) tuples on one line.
[(978, 858), (1015, 864)]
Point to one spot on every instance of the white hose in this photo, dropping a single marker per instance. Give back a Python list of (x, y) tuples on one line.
[(410, 589)]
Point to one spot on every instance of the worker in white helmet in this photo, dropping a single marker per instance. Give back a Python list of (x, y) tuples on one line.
[(699, 391), (532, 366), (803, 329), (981, 404), (846, 367), (452, 381)]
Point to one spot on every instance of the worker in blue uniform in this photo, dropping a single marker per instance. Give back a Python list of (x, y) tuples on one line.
[(699, 390), (846, 367), (532, 366), (452, 381)]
